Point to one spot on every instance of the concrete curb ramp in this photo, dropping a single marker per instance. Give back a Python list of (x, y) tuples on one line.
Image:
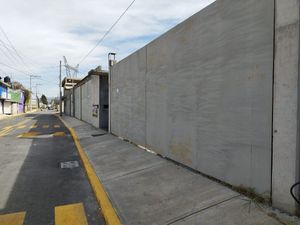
[(108, 212)]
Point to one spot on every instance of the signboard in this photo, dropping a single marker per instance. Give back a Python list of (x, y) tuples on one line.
[(3, 93), (95, 110)]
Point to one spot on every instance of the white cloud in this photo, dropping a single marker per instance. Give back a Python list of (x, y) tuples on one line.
[(46, 30)]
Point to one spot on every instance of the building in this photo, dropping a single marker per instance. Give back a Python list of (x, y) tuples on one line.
[(88, 99), (11, 100), (4, 105)]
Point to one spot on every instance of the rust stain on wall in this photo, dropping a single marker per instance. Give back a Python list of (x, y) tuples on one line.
[(182, 151)]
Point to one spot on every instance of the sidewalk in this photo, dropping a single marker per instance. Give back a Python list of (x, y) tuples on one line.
[(5, 116), (147, 189)]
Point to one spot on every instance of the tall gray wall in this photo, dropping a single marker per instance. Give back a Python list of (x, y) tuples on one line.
[(201, 94), (87, 96), (77, 95), (67, 106), (128, 100), (286, 104)]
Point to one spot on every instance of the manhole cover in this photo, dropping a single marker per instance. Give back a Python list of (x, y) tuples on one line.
[(69, 165)]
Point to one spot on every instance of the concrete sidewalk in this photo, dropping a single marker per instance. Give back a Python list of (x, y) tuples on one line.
[(147, 189)]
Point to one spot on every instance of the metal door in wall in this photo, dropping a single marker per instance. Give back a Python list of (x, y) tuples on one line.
[(103, 102)]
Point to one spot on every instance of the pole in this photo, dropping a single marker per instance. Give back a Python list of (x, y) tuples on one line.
[(36, 94), (60, 95), (30, 76), (37, 101), (110, 64)]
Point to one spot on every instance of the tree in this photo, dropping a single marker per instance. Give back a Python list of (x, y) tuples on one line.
[(17, 85), (44, 100), (27, 96)]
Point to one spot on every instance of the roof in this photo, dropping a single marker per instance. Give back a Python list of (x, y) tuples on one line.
[(67, 81), (93, 72), (2, 83)]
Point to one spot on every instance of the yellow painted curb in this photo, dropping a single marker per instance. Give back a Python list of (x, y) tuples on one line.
[(109, 213)]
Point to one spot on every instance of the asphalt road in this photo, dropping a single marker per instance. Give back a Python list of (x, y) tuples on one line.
[(32, 183)]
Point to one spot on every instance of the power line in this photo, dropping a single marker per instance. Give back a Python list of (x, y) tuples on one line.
[(107, 32), (13, 68), (11, 49), (11, 56), (25, 73), (11, 44)]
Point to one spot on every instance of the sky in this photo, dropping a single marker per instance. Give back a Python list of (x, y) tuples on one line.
[(43, 31)]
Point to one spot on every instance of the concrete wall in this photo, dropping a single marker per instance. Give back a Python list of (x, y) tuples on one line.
[(77, 95), (128, 98), (14, 108), (201, 94), (67, 104), (87, 99), (286, 104)]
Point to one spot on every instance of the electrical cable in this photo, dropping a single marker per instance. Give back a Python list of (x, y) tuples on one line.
[(292, 193), (107, 32), (12, 46)]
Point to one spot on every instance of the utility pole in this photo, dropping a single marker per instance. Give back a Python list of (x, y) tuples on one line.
[(36, 93), (30, 77), (111, 62), (60, 95)]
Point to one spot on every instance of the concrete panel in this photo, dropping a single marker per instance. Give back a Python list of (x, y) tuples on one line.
[(95, 100), (128, 98), (90, 99), (235, 211), (77, 93), (161, 199), (208, 93), (67, 107), (286, 104), (72, 104)]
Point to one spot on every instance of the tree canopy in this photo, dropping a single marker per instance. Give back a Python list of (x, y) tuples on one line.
[(44, 100)]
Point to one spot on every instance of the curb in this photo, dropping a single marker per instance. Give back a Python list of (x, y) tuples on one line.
[(16, 115), (109, 213)]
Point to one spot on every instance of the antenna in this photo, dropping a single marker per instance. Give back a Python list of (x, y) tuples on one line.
[(70, 68)]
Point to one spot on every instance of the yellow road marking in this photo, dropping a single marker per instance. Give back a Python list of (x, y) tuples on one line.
[(29, 134), (70, 215), (45, 126), (110, 215), (20, 127), (33, 126), (12, 218), (56, 126), (59, 134), (8, 127)]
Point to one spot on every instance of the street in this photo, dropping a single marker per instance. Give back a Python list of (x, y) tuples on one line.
[(36, 183)]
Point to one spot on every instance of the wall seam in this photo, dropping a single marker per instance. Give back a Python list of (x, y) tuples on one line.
[(273, 99), (146, 72), (298, 112)]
